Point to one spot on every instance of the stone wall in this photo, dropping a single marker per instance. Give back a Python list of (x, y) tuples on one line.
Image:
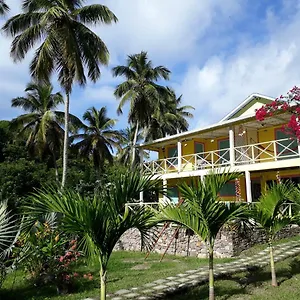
[(228, 243)]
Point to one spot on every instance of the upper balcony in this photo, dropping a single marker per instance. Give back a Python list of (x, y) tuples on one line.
[(257, 153)]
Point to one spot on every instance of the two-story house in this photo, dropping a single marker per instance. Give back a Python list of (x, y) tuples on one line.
[(238, 142)]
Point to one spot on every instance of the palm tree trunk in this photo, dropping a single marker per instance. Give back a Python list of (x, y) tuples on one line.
[(211, 273), (66, 141), (273, 273), (134, 143), (102, 283)]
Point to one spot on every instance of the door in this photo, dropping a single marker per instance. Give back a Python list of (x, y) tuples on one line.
[(172, 156), (224, 154)]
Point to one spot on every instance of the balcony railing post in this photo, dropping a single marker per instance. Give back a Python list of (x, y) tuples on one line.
[(248, 186), (179, 152), (275, 150), (231, 147), (252, 154)]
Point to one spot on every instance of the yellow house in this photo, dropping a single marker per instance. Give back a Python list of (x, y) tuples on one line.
[(260, 150)]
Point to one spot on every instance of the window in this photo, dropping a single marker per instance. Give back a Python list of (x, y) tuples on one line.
[(199, 147), (173, 156), (224, 154), (285, 149), (256, 189), (228, 190), (173, 194)]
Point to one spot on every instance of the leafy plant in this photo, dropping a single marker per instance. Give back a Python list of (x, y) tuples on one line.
[(270, 215), (47, 255), (102, 220), (204, 213)]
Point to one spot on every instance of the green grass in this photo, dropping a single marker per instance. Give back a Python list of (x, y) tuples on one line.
[(126, 269), (254, 285), (129, 269)]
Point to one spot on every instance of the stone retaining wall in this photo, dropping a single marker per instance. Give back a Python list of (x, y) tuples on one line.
[(228, 243)]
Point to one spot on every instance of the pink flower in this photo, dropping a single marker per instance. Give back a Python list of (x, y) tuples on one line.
[(61, 258), (75, 274)]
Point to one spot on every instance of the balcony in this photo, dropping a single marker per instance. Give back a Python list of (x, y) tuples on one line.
[(272, 151)]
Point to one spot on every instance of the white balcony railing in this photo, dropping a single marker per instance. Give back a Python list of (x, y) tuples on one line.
[(249, 154)]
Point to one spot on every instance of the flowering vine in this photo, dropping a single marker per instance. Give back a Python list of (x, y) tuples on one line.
[(289, 103)]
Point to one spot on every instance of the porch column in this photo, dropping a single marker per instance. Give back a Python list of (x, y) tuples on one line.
[(165, 186), (231, 147), (248, 186), (298, 142), (179, 152), (141, 154)]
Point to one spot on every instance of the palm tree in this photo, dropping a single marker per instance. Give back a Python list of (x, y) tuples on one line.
[(3, 8), (140, 89), (203, 213), (127, 147), (67, 45), (100, 221), (43, 122), (99, 138), (169, 117), (271, 216)]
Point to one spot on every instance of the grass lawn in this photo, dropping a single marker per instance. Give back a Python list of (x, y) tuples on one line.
[(126, 269), (254, 285)]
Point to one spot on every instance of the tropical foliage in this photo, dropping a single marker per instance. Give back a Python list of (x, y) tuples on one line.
[(68, 46), (8, 232), (101, 221), (3, 8), (41, 125), (140, 89), (271, 215), (204, 213), (99, 138)]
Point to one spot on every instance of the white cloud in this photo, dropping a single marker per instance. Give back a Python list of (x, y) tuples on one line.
[(271, 68)]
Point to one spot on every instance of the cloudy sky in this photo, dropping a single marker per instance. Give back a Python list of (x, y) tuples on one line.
[(219, 52)]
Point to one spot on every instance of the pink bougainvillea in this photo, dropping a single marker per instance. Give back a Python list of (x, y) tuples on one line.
[(289, 103)]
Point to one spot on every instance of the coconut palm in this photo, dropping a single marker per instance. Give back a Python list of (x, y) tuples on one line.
[(42, 122), (66, 45), (169, 117), (140, 89), (99, 138), (203, 213), (127, 147), (100, 221), (271, 216), (3, 8)]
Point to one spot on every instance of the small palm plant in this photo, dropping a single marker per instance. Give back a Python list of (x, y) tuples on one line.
[(8, 233), (204, 213), (102, 220), (271, 215)]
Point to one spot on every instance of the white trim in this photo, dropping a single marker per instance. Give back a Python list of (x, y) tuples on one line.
[(248, 186), (244, 103)]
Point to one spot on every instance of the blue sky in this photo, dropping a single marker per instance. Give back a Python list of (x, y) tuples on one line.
[(219, 52)]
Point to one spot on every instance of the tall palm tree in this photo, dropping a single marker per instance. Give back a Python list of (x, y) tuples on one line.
[(43, 122), (4, 8), (203, 213), (270, 215), (100, 221), (127, 147), (169, 117), (99, 138), (67, 45), (140, 89)]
